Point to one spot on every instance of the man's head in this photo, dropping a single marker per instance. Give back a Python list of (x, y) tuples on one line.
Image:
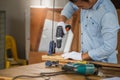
[(85, 4)]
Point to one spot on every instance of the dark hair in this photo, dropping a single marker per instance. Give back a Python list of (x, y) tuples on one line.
[(77, 0), (73, 0)]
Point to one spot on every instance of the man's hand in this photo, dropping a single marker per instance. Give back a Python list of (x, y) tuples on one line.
[(72, 55), (63, 26)]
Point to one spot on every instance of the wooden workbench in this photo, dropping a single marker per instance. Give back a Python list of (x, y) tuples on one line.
[(107, 71), (36, 69)]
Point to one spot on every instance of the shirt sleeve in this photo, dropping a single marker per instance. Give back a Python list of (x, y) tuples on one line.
[(69, 9), (109, 31)]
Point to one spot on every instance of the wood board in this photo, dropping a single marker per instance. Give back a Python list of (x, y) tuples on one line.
[(62, 60), (56, 58)]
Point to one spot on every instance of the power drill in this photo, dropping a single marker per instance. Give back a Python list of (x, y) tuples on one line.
[(52, 46), (83, 69), (60, 34)]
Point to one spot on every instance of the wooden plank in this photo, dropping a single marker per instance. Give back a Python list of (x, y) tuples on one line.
[(56, 58), (35, 57), (62, 60), (37, 17)]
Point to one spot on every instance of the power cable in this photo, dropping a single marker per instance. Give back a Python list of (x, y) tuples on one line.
[(45, 75)]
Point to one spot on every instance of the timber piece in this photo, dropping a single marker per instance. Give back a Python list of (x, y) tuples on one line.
[(110, 71), (56, 58), (103, 64), (62, 60)]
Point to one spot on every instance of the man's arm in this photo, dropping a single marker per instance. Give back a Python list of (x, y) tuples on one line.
[(85, 56), (63, 18)]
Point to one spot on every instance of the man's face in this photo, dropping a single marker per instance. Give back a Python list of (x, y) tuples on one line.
[(84, 4)]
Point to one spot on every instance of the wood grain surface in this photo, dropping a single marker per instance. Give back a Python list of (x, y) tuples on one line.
[(36, 69)]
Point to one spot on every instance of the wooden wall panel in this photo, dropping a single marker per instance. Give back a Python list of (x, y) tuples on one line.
[(35, 57), (76, 30), (118, 46), (56, 15), (118, 11), (37, 17)]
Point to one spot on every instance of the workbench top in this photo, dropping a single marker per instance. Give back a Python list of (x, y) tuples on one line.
[(36, 69)]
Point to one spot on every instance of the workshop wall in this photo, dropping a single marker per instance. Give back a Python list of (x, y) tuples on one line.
[(15, 22), (48, 3)]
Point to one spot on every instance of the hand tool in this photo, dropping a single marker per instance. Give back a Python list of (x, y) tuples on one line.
[(87, 67), (52, 46), (51, 63), (84, 69), (60, 34), (77, 68)]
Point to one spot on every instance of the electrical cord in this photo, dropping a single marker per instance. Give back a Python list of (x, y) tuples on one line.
[(45, 75), (25, 76)]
